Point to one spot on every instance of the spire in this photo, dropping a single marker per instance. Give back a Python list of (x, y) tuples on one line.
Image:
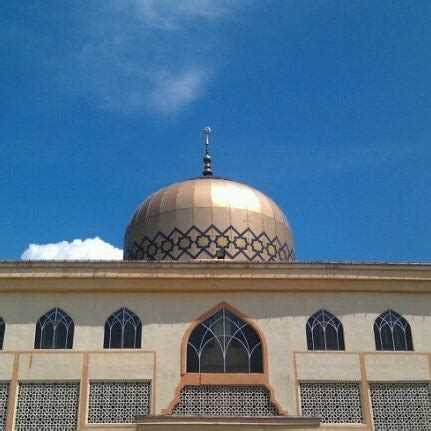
[(207, 158)]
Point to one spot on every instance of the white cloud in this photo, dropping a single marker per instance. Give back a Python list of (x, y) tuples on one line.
[(170, 14), (172, 92), (78, 249), (147, 55)]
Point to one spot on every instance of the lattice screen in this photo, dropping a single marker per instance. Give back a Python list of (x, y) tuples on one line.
[(47, 407), (118, 402), (335, 402), (4, 390), (208, 400), (401, 406)]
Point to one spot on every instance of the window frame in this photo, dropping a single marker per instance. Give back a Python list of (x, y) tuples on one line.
[(240, 325), (51, 317), (113, 320), (323, 319), (2, 331), (391, 319)]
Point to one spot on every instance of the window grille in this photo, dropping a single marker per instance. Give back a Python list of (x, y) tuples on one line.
[(401, 406), (123, 330), (118, 402), (47, 407), (335, 402), (2, 329), (4, 392), (54, 330), (207, 400), (224, 343), (324, 332), (392, 332)]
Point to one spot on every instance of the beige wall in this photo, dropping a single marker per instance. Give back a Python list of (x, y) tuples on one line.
[(165, 317), (166, 306)]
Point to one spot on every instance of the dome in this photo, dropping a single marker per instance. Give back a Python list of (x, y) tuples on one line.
[(208, 218)]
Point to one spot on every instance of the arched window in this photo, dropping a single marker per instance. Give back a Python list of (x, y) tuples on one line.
[(54, 330), (123, 330), (224, 343), (392, 332), (324, 332), (2, 329)]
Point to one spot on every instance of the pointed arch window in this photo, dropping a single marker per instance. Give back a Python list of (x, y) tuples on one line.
[(392, 332), (224, 343), (123, 330), (324, 332), (2, 329), (54, 330)]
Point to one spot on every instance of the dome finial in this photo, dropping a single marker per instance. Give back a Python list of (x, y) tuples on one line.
[(207, 158)]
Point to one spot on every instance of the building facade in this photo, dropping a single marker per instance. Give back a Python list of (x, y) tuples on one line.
[(210, 324), (94, 385)]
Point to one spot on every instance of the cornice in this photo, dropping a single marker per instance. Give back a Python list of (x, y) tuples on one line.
[(213, 269)]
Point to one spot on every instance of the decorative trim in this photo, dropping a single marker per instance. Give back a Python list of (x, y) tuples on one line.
[(365, 393), (205, 316), (261, 379), (83, 398), (195, 243), (12, 394), (154, 385), (226, 423), (297, 389), (225, 329)]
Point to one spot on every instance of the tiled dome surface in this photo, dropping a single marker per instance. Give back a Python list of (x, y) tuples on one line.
[(203, 217)]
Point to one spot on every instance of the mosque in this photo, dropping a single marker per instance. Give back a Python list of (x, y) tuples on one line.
[(209, 323)]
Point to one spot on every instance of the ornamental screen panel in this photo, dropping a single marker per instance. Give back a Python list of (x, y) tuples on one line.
[(47, 407), (4, 391), (209, 400), (401, 406), (335, 402), (118, 402)]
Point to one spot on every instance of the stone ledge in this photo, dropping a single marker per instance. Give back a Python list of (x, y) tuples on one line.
[(161, 423)]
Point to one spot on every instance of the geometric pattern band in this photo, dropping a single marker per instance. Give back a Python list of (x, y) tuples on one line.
[(206, 244), (335, 402), (401, 406), (208, 400), (47, 407), (4, 390), (118, 402)]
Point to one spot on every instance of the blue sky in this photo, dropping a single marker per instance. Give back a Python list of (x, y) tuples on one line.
[(324, 105)]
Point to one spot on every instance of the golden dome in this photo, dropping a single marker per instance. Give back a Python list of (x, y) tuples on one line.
[(208, 218)]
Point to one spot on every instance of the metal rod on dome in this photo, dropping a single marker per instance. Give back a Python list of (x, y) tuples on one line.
[(207, 158)]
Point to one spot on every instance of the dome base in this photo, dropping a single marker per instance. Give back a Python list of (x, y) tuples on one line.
[(211, 243)]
